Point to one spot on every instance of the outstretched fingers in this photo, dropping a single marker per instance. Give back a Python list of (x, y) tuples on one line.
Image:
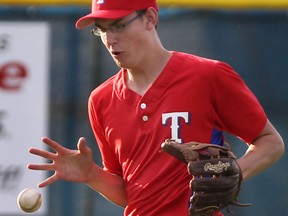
[(48, 181), (53, 145), (42, 153), (67, 164), (47, 154), (40, 166)]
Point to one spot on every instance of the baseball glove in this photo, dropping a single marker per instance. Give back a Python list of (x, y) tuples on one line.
[(216, 176)]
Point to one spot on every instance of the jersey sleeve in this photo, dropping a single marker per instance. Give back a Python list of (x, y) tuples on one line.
[(236, 108), (109, 160)]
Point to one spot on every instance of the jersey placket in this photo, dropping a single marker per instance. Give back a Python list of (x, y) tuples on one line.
[(143, 107)]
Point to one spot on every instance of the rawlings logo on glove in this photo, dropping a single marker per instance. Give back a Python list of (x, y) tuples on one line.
[(217, 168)]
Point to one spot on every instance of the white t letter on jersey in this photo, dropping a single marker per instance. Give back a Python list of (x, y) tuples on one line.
[(175, 123)]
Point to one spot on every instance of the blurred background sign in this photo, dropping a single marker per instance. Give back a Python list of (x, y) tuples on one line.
[(24, 59), (194, 3)]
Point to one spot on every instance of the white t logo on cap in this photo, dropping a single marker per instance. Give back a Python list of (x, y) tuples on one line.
[(100, 2)]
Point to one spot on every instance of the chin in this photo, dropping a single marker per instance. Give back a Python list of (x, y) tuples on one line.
[(121, 64)]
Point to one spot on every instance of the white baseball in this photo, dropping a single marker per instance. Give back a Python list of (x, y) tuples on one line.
[(29, 200)]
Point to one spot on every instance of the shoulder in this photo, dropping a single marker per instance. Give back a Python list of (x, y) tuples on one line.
[(200, 65), (104, 91), (104, 88), (193, 59)]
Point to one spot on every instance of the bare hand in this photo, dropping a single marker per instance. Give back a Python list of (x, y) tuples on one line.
[(67, 164)]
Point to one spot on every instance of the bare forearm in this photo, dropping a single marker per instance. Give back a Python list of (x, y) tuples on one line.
[(255, 161), (110, 186), (262, 153)]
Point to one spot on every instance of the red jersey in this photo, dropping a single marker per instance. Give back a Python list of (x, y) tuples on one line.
[(193, 99)]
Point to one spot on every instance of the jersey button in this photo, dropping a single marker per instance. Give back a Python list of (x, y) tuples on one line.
[(143, 106), (145, 118)]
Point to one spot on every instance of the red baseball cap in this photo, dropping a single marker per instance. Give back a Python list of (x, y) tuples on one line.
[(113, 9)]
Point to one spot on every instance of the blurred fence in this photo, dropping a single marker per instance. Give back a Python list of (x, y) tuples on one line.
[(254, 42)]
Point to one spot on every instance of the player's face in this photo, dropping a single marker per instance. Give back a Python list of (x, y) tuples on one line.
[(125, 44)]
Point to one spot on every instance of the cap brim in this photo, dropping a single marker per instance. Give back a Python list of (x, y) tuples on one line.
[(101, 14)]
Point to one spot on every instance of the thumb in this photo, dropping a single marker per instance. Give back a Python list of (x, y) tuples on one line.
[(82, 146)]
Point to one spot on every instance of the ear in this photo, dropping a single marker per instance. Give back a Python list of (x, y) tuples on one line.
[(151, 17)]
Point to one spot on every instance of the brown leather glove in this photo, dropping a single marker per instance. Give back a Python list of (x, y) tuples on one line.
[(216, 176)]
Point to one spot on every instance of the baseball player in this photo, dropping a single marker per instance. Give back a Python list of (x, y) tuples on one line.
[(160, 94)]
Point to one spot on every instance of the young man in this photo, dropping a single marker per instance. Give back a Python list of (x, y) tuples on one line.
[(156, 95)]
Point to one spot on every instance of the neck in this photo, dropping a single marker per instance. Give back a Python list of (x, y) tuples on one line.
[(140, 79)]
